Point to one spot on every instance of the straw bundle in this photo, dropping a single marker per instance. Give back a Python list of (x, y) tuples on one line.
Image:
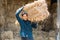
[(37, 10)]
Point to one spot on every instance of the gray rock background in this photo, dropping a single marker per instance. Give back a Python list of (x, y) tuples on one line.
[(8, 29)]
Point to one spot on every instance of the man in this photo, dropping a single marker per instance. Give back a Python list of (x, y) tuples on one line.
[(26, 25)]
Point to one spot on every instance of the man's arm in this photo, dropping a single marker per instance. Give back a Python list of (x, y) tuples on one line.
[(17, 15), (34, 24)]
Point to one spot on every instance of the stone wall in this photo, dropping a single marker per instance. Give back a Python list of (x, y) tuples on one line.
[(10, 31)]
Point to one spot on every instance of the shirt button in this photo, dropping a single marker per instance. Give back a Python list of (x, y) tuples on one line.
[(26, 35)]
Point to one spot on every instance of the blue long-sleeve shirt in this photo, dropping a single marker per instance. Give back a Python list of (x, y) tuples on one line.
[(26, 26)]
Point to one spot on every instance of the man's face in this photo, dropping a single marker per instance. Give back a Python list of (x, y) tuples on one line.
[(25, 17)]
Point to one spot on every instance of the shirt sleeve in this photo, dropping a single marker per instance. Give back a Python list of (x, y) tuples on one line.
[(17, 15), (34, 24)]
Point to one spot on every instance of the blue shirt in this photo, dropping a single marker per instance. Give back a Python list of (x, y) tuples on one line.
[(26, 26)]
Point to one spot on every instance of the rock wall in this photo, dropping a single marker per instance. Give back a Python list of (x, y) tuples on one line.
[(10, 31)]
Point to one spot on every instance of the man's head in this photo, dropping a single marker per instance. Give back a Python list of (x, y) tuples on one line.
[(24, 15)]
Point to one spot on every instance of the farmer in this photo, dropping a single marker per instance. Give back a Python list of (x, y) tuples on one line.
[(26, 25)]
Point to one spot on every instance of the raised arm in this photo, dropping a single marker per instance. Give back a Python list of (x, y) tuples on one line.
[(17, 15)]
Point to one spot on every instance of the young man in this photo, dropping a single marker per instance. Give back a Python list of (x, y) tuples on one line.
[(26, 25)]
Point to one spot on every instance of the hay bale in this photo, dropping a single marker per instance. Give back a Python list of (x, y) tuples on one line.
[(37, 10), (7, 35), (2, 20)]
